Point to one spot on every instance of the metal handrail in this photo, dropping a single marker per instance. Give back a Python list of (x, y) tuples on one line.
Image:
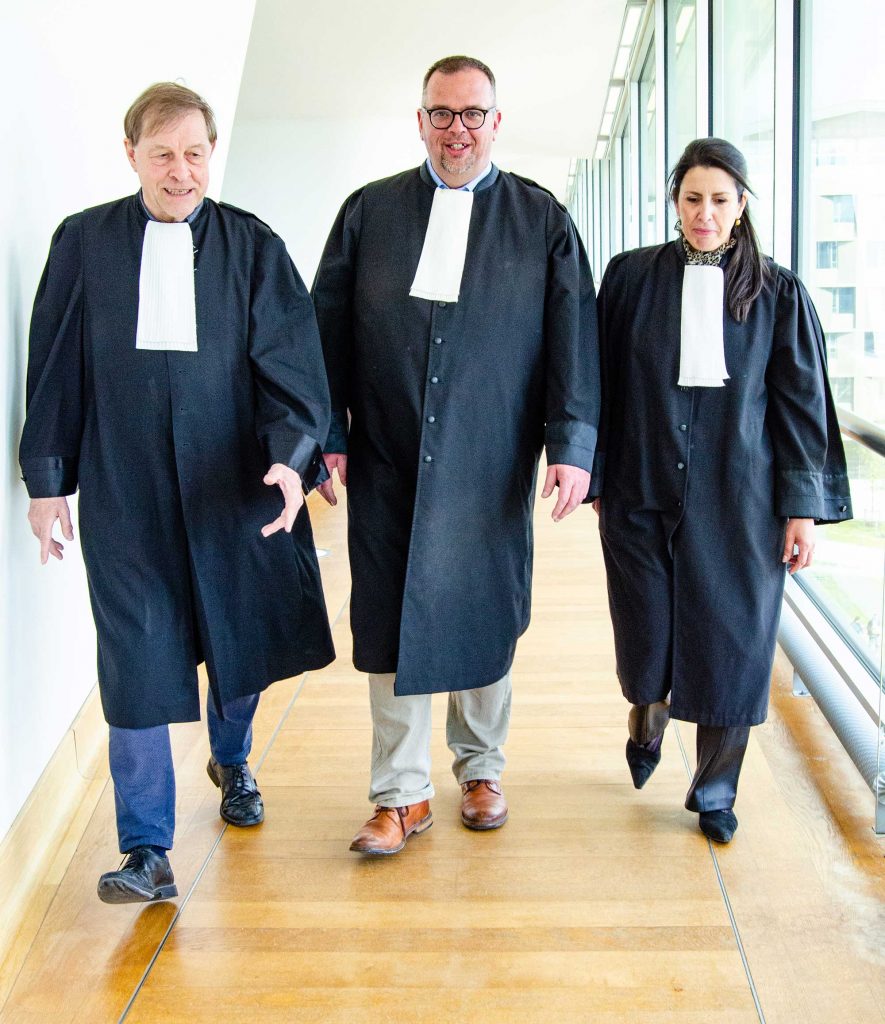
[(825, 675), (858, 429)]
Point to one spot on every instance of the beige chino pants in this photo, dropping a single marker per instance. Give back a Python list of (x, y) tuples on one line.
[(476, 729)]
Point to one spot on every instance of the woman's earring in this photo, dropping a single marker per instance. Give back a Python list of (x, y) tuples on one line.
[(678, 226), (737, 223)]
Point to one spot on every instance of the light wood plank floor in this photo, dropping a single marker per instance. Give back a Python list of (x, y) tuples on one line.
[(594, 903)]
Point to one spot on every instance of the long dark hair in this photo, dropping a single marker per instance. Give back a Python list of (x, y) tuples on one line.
[(747, 272)]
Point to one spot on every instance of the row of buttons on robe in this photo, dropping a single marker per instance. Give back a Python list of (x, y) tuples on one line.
[(681, 465), (434, 380)]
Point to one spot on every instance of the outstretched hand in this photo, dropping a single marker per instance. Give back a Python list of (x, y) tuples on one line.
[(289, 483)]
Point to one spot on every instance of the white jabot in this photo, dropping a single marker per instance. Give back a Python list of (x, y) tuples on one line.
[(167, 312), (441, 266), (702, 348)]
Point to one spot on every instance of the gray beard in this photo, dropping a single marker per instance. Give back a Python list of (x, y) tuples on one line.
[(460, 168)]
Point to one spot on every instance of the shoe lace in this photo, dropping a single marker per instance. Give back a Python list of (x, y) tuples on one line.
[(490, 784), (133, 859), (401, 812), (239, 777)]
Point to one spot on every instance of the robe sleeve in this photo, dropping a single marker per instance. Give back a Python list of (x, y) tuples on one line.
[(291, 392), (333, 299), (49, 453), (811, 479), (571, 345)]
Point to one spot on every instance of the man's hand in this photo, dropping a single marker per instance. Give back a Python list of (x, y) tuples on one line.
[(800, 534), (574, 483), (290, 484), (327, 488), (42, 515)]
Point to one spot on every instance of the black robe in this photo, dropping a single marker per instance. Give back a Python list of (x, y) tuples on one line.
[(169, 450), (697, 484), (450, 405)]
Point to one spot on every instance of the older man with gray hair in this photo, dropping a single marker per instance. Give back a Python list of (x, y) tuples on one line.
[(176, 379)]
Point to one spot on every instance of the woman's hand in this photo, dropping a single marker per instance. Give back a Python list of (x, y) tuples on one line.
[(800, 535)]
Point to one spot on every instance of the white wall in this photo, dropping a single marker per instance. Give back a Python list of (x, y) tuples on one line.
[(68, 72), (295, 174)]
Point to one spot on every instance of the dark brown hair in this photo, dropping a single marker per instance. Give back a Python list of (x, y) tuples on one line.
[(451, 65), (747, 272), (161, 104)]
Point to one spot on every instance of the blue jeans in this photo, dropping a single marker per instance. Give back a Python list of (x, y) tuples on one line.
[(144, 776)]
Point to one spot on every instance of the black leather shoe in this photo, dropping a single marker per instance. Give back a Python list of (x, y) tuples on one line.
[(241, 803), (144, 877), (642, 761), (719, 826)]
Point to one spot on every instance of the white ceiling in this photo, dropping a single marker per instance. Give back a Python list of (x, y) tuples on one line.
[(346, 59)]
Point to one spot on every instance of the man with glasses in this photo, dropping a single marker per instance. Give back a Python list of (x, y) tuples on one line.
[(457, 313)]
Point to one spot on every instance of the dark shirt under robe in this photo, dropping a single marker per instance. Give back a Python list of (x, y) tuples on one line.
[(698, 482), (169, 449), (450, 405)]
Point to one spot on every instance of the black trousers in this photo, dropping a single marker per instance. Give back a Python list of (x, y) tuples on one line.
[(720, 754)]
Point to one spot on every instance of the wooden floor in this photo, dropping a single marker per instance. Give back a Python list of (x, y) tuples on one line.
[(595, 903)]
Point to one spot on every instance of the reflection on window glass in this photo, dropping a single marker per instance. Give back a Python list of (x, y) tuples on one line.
[(682, 69), (743, 97), (843, 264)]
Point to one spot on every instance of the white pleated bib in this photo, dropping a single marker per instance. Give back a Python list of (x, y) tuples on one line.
[(702, 345), (441, 266), (167, 312)]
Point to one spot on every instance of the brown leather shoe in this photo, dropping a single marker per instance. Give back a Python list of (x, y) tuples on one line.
[(483, 805), (389, 827)]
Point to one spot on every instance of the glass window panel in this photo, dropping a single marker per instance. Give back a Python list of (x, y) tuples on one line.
[(743, 97), (843, 245), (648, 183), (682, 95), (842, 259), (617, 197), (628, 206)]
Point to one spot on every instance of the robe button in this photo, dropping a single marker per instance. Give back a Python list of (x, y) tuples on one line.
[(683, 426), (441, 305), (437, 341), (679, 504), (428, 458), (434, 380), (432, 419), (843, 508), (680, 465)]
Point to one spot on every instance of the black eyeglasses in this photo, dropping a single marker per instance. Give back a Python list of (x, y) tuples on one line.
[(472, 118)]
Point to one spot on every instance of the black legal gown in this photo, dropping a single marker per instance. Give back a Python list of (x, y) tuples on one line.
[(450, 405), (697, 484), (169, 449)]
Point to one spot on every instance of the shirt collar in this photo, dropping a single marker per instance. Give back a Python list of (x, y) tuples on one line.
[(469, 187), (188, 220)]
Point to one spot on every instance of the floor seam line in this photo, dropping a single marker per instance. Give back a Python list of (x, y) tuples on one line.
[(723, 889), (161, 945)]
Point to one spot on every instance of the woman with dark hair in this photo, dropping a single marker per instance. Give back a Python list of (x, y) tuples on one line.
[(718, 451)]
